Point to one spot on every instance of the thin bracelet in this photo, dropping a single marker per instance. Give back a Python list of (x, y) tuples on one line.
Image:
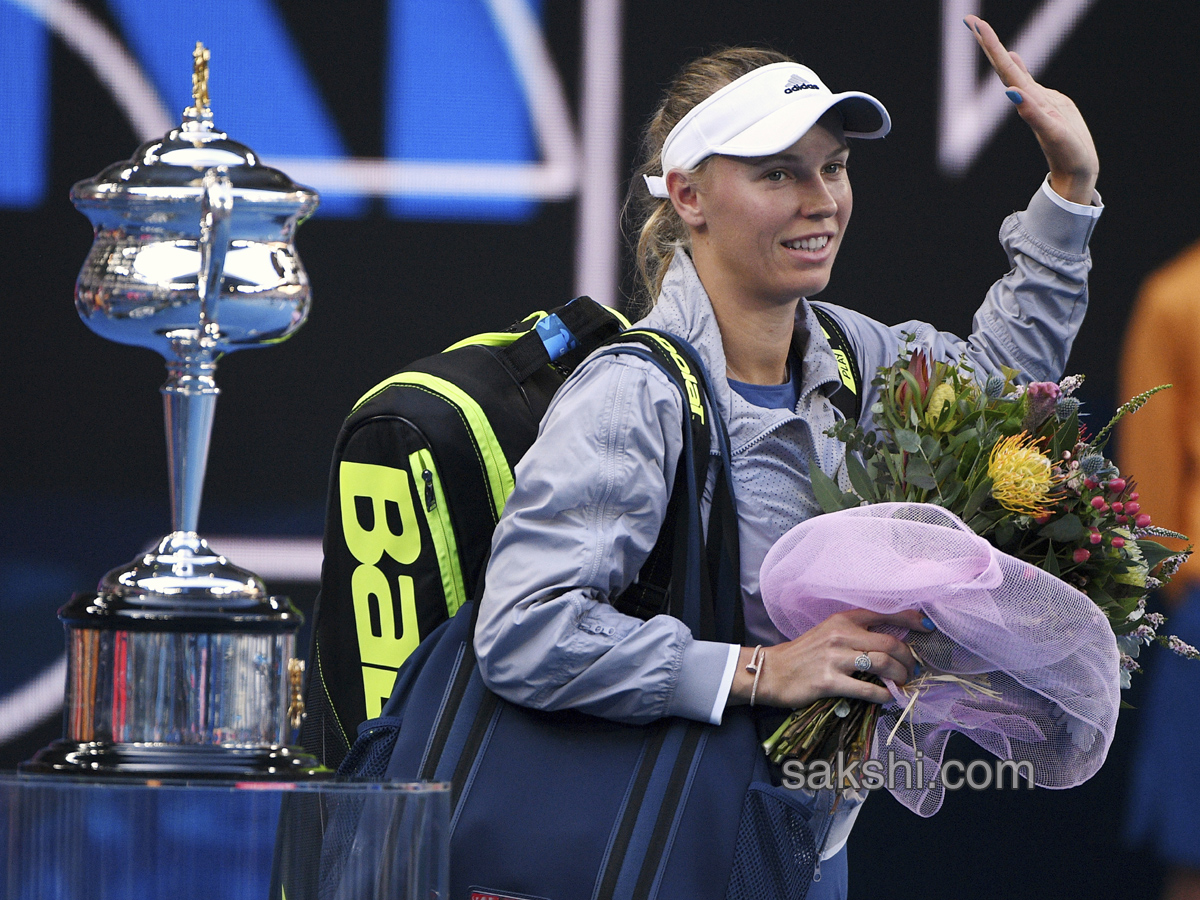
[(757, 658)]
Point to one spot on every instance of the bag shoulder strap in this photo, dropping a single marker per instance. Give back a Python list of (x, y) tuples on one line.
[(849, 398), (693, 577)]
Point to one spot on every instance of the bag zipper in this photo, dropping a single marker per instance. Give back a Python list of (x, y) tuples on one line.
[(497, 474), (441, 529), (827, 816)]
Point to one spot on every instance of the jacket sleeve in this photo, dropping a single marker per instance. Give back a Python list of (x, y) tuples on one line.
[(589, 500), (1029, 318)]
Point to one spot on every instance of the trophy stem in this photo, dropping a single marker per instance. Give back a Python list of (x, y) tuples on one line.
[(189, 403), (190, 394)]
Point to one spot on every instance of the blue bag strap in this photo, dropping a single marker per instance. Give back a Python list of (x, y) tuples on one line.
[(708, 595)]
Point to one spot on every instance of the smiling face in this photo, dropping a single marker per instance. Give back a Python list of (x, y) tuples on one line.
[(766, 230)]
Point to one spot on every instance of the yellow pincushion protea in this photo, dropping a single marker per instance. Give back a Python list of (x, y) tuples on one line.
[(1021, 475), (942, 396)]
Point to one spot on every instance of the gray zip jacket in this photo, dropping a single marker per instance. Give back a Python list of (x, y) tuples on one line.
[(592, 491)]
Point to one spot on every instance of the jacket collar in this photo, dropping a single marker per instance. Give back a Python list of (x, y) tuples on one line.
[(684, 309)]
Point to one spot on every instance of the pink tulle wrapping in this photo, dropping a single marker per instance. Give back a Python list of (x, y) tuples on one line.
[(1040, 643)]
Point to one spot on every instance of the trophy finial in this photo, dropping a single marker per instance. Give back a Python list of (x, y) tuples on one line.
[(199, 108)]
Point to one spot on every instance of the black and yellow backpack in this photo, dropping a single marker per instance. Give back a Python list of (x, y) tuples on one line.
[(421, 471)]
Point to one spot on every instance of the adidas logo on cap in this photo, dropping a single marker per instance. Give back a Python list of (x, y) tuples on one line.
[(796, 83)]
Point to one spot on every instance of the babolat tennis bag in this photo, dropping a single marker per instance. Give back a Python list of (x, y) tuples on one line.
[(421, 471), (568, 806)]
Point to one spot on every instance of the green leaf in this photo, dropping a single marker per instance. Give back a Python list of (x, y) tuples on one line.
[(961, 438), (893, 464), (826, 491), (1066, 530), (945, 467), (863, 483), (1099, 596), (931, 447), (1004, 532), (982, 491), (919, 474), (1051, 562), (908, 440), (1154, 552), (950, 493), (1067, 436)]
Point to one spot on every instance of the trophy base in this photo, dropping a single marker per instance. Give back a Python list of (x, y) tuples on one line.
[(174, 762)]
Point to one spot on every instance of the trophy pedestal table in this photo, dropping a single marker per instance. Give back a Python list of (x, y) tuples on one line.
[(95, 838)]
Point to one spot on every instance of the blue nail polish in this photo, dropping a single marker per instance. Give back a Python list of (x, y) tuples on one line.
[(916, 671), (928, 623), (1013, 96), (968, 24)]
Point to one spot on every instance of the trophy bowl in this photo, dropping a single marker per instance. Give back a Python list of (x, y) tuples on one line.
[(181, 664)]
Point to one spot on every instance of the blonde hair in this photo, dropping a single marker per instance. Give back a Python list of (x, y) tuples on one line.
[(660, 232)]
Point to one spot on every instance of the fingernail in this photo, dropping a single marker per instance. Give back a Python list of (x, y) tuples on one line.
[(968, 24), (928, 623), (1013, 96), (916, 671)]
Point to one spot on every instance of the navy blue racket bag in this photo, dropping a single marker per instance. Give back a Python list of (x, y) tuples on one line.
[(568, 806)]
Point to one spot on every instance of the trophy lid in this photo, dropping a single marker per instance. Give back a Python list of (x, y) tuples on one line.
[(173, 166), (182, 585)]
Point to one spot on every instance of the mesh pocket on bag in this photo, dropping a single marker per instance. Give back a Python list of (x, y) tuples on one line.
[(775, 854), (367, 761), (369, 757)]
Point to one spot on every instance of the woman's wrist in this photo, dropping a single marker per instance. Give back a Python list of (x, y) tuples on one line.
[(1077, 188), (744, 677)]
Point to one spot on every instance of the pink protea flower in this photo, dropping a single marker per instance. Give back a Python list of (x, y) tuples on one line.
[(1041, 397), (919, 368)]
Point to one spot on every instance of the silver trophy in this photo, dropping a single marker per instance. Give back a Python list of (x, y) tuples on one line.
[(181, 664)]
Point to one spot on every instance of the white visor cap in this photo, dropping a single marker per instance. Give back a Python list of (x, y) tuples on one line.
[(763, 112)]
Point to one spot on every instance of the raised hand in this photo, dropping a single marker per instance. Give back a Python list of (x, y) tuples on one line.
[(1056, 122)]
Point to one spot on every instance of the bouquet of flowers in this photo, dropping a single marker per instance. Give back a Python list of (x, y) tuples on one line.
[(1014, 464)]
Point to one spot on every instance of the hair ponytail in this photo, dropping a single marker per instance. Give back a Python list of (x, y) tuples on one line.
[(660, 232)]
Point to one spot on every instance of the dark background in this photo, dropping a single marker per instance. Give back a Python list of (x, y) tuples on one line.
[(83, 475)]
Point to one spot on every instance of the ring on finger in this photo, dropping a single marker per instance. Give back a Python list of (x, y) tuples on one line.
[(862, 662)]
